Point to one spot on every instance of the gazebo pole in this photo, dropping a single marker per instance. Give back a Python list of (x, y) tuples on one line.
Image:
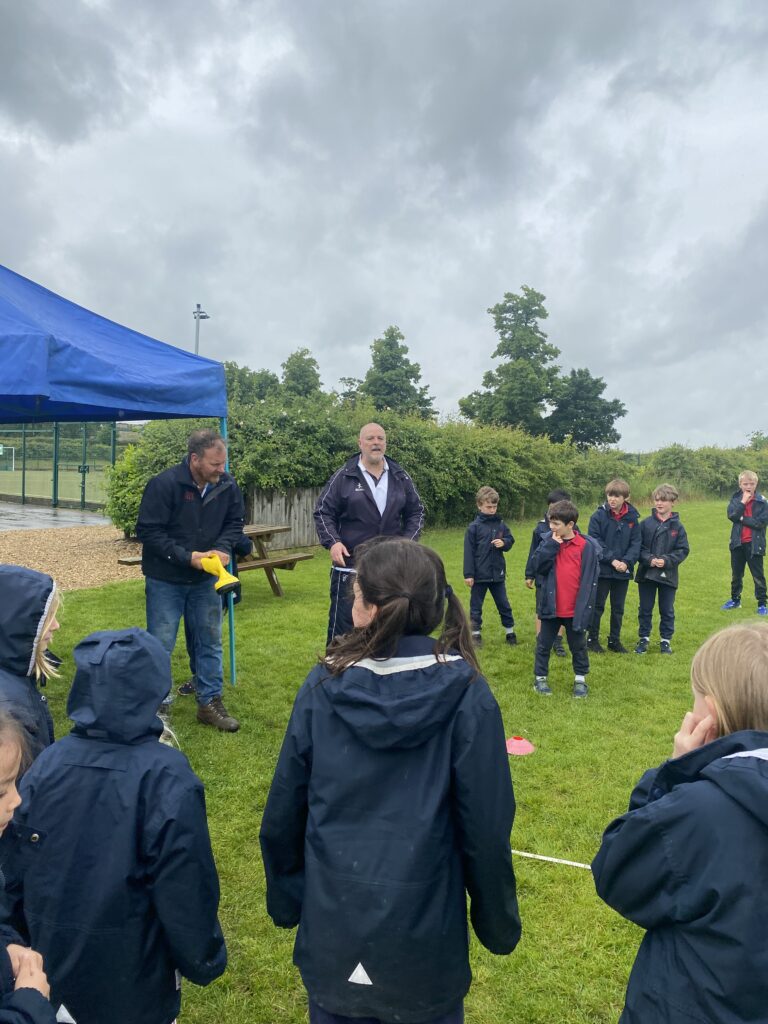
[(230, 595)]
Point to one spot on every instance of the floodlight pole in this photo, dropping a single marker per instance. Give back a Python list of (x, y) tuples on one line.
[(199, 314)]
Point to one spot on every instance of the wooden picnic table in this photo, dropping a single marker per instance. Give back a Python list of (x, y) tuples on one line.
[(261, 534)]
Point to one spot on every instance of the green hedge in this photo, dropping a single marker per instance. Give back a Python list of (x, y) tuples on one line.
[(278, 443)]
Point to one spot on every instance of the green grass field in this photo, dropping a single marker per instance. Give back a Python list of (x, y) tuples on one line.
[(38, 483), (572, 964)]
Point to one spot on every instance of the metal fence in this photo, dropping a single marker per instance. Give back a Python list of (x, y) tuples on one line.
[(57, 463)]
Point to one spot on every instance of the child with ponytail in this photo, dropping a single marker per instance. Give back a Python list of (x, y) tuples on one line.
[(391, 801), (689, 860)]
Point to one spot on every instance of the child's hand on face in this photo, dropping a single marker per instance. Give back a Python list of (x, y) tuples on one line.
[(694, 732), (746, 497)]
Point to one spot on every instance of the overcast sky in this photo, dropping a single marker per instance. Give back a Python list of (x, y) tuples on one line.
[(312, 172)]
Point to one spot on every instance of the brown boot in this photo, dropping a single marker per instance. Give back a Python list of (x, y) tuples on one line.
[(216, 714)]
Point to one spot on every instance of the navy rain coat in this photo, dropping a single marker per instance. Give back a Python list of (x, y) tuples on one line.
[(543, 567), (757, 522), (689, 863), (482, 561), (23, 1006), (391, 800), (108, 858), (25, 597)]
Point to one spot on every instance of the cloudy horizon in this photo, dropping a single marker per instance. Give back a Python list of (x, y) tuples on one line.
[(312, 173)]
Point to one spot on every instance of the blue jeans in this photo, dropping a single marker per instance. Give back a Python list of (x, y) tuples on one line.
[(201, 607)]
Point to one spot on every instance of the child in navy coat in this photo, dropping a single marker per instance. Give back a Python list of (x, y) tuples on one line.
[(486, 540), (615, 526), (688, 862), (663, 546), (391, 803)]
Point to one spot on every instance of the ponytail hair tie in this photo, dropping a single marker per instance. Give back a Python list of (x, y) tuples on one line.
[(448, 590)]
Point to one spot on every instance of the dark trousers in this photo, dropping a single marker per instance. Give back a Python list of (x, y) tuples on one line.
[(342, 599), (577, 641), (647, 592), (740, 558), (618, 591), (317, 1015), (498, 592)]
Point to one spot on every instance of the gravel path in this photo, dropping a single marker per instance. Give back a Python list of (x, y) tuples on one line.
[(77, 557)]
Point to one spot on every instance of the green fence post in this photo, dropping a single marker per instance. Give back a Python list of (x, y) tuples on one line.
[(84, 466), (23, 463), (55, 490)]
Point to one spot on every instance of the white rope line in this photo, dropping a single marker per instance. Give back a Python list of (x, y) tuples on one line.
[(552, 860)]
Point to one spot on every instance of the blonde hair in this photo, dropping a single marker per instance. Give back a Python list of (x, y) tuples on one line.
[(44, 667), (748, 474), (487, 494), (665, 492), (731, 667)]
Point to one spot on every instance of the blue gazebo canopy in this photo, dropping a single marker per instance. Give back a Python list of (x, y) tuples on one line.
[(59, 361)]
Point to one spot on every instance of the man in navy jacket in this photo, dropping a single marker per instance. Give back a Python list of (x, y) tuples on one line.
[(188, 512), (370, 496)]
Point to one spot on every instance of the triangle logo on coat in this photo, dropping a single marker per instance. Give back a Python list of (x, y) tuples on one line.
[(359, 976)]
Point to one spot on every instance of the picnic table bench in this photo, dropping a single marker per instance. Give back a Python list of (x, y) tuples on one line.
[(261, 534)]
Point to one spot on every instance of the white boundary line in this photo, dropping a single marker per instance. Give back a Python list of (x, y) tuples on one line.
[(552, 860)]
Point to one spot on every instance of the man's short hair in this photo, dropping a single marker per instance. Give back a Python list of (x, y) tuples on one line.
[(487, 494), (748, 474), (199, 441), (563, 512), (665, 492), (617, 487), (558, 495)]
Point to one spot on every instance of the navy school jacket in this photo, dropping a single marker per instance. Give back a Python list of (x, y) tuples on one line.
[(24, 1006), (618, 538), (346, 511), (482, 561), (757, 522), (174, 521), (689, 863), (667, 540), (540, 529), (543, 566), (391, 801), (108, 863), (25, 597)]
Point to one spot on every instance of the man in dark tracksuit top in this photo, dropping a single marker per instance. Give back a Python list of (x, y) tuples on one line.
[(188, 512), (748, 511), (370, 496), (615, 526)]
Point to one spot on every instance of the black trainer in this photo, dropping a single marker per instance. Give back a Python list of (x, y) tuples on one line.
[(641, 647), (511, 639), (541, 686), (558, 648), (477, 640), (665, 647), (617, 647), (594, 646)]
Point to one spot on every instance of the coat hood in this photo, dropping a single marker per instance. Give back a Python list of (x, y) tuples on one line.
[(122, 676), (737, 764), (399, 702), (25, 597)]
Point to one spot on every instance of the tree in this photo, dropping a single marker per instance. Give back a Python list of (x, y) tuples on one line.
[(392, 381), (246, 386), (518, 391), (301, 373), (581, 412)]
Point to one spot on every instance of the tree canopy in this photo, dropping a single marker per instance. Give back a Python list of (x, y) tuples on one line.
[(527, 390), (393, 381)]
